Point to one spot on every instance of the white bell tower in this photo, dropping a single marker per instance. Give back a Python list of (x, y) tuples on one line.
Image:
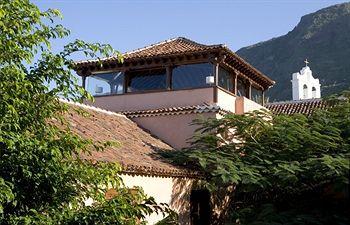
[(304, 85)]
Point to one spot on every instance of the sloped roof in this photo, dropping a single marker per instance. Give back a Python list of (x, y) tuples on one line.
[(306, 107), (180, 46), (138, 150), (179, 110), (173, 46)]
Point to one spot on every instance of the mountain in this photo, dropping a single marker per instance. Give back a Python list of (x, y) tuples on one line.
[(322, 37)]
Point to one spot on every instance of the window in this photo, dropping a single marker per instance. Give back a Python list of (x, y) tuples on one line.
[(313, 92), (257, 95), (241, 88), (144, 80), (225, 79), (105, 83), (191, 76), (305, 91)]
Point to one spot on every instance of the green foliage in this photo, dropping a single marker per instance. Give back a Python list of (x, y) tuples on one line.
[(277, 163), (42, 181), (171, 219)]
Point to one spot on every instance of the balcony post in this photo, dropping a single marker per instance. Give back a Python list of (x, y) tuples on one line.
[(83, 82), (216, 80), (263, 98), (235, 75), (249, 89), (126, 82), (168, 77)]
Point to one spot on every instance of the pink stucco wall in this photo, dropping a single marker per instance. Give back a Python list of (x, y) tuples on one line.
[(165, 99), (176, 130), (155, 100)]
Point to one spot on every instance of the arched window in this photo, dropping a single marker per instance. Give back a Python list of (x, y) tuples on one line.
[(305, 91), (313, 92)]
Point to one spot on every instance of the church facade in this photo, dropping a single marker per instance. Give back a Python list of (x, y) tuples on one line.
[(306, 92), (304, 85)]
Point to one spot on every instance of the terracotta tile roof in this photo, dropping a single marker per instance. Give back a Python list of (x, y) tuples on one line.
[(306, 107), (138, 149), (181, 46), (174, 46), (180, 110)]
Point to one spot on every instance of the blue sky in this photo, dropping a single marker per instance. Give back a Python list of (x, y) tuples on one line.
[(127, 25)]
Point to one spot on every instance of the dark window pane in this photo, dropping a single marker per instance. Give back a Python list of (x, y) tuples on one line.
[(257, 95), (191, 76), (105, 83), (225, 79), (147, 80), (241, 88)]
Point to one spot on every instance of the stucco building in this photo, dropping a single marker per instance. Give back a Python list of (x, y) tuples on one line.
[(164, 86), (148, 102)]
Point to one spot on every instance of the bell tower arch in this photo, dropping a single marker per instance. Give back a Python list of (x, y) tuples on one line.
[(304, 85)]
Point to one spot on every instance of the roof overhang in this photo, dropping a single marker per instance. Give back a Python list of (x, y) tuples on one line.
[(157, 55)]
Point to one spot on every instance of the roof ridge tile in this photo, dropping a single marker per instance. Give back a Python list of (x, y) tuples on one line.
[(97, 109), (307, 106), (151, 45)]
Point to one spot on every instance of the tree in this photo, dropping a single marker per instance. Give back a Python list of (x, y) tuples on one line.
[(42, 181), (280, 169)]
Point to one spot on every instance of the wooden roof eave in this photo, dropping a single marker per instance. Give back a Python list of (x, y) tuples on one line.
[(88, 65), (243, 65), (248, 71)]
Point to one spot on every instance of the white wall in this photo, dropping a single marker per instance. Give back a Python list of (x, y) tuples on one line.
[(226, 100), (244, 105), (304, 77), (157, 187), (173, 191)]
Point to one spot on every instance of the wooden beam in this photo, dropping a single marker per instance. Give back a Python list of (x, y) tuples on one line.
[(235, 83), (83, 82), (126, 81), (155, 62), (168, 77), (249, 89), (216, 73), (263, 98), (238, 73), (216, 80)]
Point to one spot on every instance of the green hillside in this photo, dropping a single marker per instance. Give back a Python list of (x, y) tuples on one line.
[(322, 37)]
